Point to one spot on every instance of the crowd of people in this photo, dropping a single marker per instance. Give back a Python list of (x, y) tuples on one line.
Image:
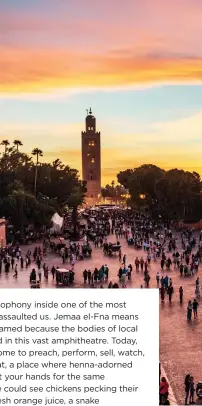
[(154, 248), (191, 390)]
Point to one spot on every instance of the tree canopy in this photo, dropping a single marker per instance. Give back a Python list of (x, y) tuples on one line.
[(56, 183), (173, 193), (114, 192)]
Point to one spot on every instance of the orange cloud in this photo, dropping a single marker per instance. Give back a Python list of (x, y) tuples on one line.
[(115, 160), (32, 70), (140, 43), (118, 44)]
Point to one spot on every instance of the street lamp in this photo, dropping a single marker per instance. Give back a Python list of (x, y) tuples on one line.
[(142, 196)]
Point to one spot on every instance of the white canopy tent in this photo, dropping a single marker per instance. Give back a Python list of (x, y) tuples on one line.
[(57, 223)]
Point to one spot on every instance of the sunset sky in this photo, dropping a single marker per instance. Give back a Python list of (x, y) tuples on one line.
[(137, 64)]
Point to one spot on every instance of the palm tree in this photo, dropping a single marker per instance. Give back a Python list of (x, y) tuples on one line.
[(5, 143), (36, 152), (18, 144)]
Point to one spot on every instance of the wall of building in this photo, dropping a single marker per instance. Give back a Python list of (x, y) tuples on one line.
[(196, 226), (2, 233)]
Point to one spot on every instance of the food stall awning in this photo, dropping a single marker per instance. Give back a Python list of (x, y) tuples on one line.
[(62, 270)]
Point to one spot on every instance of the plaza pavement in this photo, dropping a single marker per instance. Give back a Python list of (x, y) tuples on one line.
[(180, 341)]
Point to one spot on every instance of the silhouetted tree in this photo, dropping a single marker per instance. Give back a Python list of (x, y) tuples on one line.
[(38, 153), (5, 143), (18, 144)]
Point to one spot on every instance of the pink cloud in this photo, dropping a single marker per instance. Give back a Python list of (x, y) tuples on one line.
[(104, 43), (149, 24)]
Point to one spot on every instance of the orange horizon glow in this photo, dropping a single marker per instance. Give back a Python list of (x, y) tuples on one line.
[(113, 162)]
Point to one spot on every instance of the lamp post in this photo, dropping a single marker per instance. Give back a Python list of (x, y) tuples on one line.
[(142, 196)]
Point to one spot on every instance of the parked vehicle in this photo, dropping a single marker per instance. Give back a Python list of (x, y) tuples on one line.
[(199, 390), (64, 277), (87, 250)]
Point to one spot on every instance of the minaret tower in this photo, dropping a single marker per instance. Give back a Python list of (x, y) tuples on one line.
[(91, 158)]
